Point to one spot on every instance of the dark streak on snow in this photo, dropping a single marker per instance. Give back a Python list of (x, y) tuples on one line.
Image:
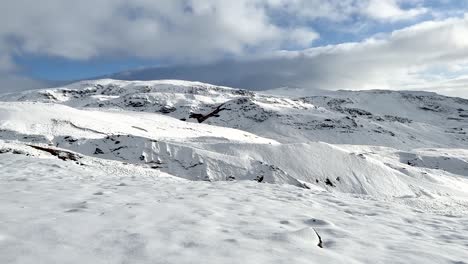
[(320, 243)]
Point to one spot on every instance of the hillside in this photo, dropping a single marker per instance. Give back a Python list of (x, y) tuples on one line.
[(325, 161)]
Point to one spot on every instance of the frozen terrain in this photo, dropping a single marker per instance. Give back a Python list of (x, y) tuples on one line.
[(180, 172)]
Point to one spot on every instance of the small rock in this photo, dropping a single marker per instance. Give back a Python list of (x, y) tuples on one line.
[(98, 151), (329, 183)]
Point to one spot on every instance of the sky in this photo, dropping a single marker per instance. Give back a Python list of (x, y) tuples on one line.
[(255, 44)]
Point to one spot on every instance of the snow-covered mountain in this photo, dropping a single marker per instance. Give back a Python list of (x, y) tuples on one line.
[(405, 148), (385, 118), (204, 132)]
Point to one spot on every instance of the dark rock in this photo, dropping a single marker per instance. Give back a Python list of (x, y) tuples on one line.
[(98, 151), (61, 154), (329, 182), (167, 109)]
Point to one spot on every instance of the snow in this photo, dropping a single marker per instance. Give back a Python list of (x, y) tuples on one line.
[(58, 212), (58, 120), (387, 118), (112, 171)]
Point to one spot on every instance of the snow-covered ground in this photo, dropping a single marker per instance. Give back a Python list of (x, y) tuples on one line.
[(180, 172), (59, 212)]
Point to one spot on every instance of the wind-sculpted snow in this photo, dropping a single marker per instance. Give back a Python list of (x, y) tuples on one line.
[(171, 172), (55, 211)]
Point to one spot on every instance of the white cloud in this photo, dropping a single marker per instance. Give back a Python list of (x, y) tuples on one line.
[(175, 29), (426, 56), (391, 10), (404, 59)]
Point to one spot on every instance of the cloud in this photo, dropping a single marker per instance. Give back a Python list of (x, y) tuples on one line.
[(426, 56), (14, 83), (173, 29), (339, 10), (255, 34), (452, 87), (390, 10), (6, 64)]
